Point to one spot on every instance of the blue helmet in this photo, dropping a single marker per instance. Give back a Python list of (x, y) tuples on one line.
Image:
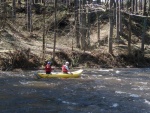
[(48, 62)]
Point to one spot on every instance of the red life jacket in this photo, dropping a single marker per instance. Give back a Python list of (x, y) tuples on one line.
[(48, 68), (64, 69)]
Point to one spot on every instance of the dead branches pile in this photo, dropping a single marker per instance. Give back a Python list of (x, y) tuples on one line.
[(19, 59)]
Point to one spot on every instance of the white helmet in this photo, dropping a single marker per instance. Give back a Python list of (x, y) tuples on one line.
[(67, 63)]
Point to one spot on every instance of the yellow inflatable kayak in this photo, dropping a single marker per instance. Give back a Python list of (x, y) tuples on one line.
[(74, 74)]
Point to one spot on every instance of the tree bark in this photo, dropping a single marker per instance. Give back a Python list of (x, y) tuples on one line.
[(19, 3), (14, 9), (88, 26), (98, 26), (143, 34), (136, 9), (43, 34), (83, 31), (122, 4), (133, 6), (3, 14), (55, 29), (29, 16), (140, 4), (110, 36), (129, 35), (76, 23), (149, 8), (117, 21), (120, 17), (144, 11)]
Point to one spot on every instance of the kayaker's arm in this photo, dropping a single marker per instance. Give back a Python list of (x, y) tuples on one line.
[(68, 70)]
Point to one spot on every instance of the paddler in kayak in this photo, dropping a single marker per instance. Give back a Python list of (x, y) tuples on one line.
[(48, 68), (65, 68)]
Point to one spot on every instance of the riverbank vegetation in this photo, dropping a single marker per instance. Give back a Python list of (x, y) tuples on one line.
[(103, 34)]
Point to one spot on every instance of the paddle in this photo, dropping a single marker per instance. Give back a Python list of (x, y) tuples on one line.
[(37, 76)]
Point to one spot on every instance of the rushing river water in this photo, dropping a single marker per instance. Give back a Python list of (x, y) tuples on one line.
[(96, 91)]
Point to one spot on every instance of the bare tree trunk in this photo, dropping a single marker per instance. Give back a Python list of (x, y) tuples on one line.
[(133, 4), (140, 4), (33, 2), (136, 9), (120, 17), (76, 23), (144, 11), (0, 12), (129, 35), (127, 5), (98, 26), (143, 34), (84, 2), (1, 17), (3, 14), (117, 21), (43, 34), (83, 31), (110, 36), (122, 4), (98, 1), (29, 16), (14, 9), (114, 12), (55, 25), (88, 26), (149, 8), (82, 25), (19, 3)]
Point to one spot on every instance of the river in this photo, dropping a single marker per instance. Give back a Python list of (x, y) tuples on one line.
[(96, 91)]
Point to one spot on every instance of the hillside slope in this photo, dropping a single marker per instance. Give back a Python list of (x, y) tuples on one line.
[(21, 49)]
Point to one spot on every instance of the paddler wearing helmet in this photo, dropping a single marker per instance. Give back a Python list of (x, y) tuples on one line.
[(48, 68), (65, 68)]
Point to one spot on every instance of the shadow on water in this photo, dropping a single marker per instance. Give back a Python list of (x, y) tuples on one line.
[(97, 91)]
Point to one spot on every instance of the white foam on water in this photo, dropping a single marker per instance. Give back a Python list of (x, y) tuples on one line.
[(141, 88), (144, 83), (69, 103), (117, 72), (120, 92), (115, 105), (24, 82), (99, 87), (94, 75), (134, 95), (107, 70), (147, 102), (114, 78), (108, 78), (84, 75), (118, 79), (100, 75), (131, 95)]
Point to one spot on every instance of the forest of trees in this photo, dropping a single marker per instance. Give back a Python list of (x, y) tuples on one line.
[(82, 11)]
